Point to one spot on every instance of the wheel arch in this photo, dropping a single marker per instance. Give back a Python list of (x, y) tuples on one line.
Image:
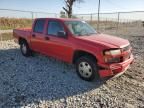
[(79, 53), (20, 40)]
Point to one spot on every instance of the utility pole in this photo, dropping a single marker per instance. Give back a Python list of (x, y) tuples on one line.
[(99, 3)]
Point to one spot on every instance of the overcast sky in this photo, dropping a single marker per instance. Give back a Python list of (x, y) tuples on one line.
[(89, 6)]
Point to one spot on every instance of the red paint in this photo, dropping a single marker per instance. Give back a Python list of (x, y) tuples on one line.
[(64, 48), (115, 68)]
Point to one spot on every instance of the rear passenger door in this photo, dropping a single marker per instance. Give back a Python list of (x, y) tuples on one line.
[(37, 37)]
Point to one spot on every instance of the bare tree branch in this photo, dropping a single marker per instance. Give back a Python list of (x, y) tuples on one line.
[(69, 6), (65, 9)]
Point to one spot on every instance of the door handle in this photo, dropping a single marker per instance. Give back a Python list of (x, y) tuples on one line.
[(46, 38), (33, 35)]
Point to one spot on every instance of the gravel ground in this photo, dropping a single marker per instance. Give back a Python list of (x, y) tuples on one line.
[(42, 82)]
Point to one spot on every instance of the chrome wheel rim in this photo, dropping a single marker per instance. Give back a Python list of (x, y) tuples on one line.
[(24, 48), (85, 69)]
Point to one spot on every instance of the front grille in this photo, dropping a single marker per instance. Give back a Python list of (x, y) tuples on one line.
[(126, 48), (128, 52), (127, 56)]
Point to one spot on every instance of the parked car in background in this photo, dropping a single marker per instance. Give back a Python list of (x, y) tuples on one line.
[(74, 41)]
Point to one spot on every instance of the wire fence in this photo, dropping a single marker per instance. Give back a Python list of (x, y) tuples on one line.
[(123, 23)]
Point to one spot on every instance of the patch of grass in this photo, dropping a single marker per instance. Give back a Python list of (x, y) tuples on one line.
[(11, 23), (6, 36)]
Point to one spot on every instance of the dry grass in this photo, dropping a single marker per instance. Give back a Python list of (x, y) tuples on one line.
[(11, 23), (135, 28), (109, 27), (6, 36)]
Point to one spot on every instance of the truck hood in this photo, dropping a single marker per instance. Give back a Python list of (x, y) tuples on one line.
[(107, 40)]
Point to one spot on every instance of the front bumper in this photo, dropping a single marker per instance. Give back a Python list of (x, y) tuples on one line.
[(115, 69)]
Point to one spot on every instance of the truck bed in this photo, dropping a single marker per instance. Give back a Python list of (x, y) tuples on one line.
[(22, 32)]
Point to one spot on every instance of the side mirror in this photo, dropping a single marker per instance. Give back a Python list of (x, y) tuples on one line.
[(62, 34)]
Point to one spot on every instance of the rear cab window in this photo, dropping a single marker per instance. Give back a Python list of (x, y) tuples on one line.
[(39, 25)]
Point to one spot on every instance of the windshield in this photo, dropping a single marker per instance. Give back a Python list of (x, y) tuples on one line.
[(80, 28)]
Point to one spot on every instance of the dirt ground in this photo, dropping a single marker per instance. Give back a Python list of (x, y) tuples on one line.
[(42, 82)]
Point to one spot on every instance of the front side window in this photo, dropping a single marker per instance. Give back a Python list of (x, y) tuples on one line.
[(54, 27), (39, 26), (79, 28)]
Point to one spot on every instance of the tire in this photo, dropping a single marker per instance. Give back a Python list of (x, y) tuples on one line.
[(86, 68), (25, 50)]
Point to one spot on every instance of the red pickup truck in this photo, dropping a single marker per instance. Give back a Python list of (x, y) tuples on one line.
[(95, 55)]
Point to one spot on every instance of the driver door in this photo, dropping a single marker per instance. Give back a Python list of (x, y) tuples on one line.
[(58, 47)]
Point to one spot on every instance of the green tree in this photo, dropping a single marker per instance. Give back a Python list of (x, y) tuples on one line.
[(62, 14)]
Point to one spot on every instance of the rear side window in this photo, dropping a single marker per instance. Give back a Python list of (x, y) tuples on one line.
[(39, 26), (54, 27)]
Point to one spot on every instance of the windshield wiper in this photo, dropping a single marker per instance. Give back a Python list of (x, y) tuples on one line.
[(91, 34), (88, 34)]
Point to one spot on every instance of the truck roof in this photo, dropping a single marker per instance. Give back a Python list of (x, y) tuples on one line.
[(62, 19)]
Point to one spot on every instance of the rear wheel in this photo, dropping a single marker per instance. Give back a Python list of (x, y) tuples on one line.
[(87, 68), (25, 50)]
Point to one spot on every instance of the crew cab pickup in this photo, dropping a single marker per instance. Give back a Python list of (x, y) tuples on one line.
[(95, 55)]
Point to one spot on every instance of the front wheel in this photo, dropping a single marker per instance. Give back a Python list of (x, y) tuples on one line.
[(87, 68), (25, 50)]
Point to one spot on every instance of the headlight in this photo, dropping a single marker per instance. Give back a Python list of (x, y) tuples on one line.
[(110, 56), (112, 52)]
